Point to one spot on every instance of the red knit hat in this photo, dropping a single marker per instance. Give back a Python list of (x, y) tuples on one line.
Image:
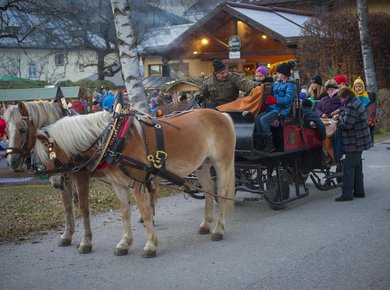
[(341, 79)]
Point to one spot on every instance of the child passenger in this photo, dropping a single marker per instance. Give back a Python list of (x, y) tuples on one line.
[(360, 92)]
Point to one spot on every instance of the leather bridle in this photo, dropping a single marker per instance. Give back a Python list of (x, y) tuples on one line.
[(26, 148)]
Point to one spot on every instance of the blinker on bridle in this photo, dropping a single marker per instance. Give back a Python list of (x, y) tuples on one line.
[(50, 145)]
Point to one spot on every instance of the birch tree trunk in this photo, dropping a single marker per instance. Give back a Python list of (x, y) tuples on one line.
[(128, 54), (368, 57)]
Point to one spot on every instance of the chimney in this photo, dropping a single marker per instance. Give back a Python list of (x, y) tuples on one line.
[(166, 70)]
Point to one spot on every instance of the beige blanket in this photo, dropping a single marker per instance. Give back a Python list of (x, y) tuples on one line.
[(253, 102)]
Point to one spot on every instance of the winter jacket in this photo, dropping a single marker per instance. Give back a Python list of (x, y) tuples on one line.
[(355, 134), (284, 94), (108, 102), (327, 105), (221, 92)]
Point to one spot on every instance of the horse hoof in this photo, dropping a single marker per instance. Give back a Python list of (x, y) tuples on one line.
[(204, 231), (64, 242), (85, 249), (121, 252), (217, 237), (149, 254)]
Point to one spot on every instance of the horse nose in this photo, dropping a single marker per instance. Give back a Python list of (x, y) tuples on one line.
[(13, 163)]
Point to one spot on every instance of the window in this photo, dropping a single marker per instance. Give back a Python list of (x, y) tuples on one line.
[(81, 67), (32, 71), (155, 69), (59, 59)]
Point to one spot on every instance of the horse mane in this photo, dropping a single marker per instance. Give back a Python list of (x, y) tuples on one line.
[(42, 113), (75, 134)]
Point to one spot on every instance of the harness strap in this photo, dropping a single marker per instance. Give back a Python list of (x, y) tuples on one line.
[(158, 161), (162, 172)]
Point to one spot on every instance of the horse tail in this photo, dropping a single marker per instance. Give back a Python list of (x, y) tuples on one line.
[(231, 184)]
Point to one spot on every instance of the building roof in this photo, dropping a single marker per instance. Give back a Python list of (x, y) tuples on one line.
[(281, 23), (37, 94)]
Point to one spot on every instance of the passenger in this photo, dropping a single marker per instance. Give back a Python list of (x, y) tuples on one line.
[(283, 91), (303, 95), (341, 81), (360, 92), (223, 86), (312, 120), (263, 77), (329, 105), (355, 137), (316, 89)]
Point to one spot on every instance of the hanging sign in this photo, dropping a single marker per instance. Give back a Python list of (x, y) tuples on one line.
[(234, 43)]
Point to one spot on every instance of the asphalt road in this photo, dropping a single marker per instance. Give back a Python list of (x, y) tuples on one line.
[(315, 243)]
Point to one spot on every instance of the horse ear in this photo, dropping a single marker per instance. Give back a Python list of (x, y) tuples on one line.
[(22, 109)]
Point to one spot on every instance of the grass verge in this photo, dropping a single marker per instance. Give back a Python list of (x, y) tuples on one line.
[(32, 209)]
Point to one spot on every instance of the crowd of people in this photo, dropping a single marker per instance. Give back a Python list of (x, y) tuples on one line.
[(333, 101)]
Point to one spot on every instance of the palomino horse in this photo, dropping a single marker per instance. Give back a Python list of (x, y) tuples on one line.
[(194, 141), (22, 122)]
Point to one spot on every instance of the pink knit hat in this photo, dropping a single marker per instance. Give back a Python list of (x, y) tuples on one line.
[(263, 70)]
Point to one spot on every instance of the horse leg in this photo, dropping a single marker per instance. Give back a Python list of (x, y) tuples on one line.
[(66, 237), (154, 191), (144, 204), (206, 182), (81, 180), (226, 189), (122, 193)]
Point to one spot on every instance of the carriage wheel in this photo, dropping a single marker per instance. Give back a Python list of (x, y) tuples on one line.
[(193, 180), (275, 200), (305, 176)]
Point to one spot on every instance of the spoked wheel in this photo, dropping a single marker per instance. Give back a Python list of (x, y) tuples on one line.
[(276, 198), (195, 189), (304, 176), (192, 191)]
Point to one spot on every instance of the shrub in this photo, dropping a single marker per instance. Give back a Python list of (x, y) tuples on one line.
[(384, 109)]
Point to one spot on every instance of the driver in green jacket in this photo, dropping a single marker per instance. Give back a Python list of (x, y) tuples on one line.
[(223, 86)]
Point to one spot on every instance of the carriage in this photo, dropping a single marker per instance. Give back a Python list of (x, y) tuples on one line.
[(278, 175)]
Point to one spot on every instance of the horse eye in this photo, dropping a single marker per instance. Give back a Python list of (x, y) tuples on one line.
[(22, 130)]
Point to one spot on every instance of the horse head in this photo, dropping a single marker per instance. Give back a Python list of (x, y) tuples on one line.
[(49, 156), (22, 122), (21, 134)]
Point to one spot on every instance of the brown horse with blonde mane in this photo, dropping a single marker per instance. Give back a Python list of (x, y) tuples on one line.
[(194, 141), (23, 120)]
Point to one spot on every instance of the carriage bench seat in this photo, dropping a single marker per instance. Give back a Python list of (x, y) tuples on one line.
[(288, 136)]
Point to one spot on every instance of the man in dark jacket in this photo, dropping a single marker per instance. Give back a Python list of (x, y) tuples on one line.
[(355, 137), (223, 86)]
